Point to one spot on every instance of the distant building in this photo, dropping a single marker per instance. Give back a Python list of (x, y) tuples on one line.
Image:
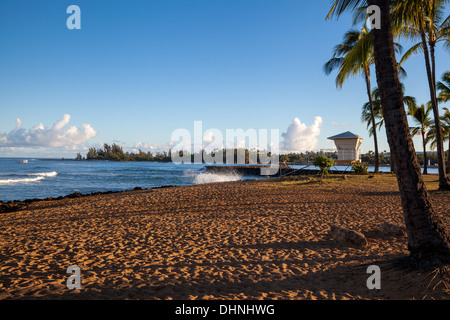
[(347, 144)]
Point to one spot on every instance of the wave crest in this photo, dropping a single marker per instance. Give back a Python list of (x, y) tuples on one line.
[(24, 180), (44, 174), (216, 177), (36, 178)]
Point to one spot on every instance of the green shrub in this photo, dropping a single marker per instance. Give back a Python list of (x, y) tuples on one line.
[(360, 168), (324, 164)]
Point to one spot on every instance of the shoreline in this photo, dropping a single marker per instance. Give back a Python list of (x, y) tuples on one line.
[(15, 205)]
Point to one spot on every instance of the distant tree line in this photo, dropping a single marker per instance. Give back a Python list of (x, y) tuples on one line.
[(115, 152), (384, 158)]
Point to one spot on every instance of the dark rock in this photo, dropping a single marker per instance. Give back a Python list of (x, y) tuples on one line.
[(392, 229), (74, 195), (348, 236)]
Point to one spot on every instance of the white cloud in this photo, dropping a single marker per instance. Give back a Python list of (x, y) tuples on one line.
[(40, 136), (148, 147), (299, 137), (145, 146)]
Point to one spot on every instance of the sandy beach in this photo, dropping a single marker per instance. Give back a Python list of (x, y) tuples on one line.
[(233, 240)]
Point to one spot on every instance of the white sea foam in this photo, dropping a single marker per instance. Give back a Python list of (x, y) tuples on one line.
[(44, 174), (203, 177), (215, 177), (36, 178), (189, 173), (24, 180)]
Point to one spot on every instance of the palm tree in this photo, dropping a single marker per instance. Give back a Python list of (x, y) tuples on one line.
[(431, 136), (428, 238), (444, 96), (366, 115), (445, 120), (408, 101), (444, 88), (421, 116), (424, 20), (352, 57), (437, 29)]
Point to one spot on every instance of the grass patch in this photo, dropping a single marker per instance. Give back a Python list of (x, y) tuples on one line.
[(382, 181)]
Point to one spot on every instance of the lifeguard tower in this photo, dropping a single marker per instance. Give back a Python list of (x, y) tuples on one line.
[(347, 144)]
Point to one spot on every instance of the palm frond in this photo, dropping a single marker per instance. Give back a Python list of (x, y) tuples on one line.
[(332, 64), (415, 49), (338, 7), (444, 88)]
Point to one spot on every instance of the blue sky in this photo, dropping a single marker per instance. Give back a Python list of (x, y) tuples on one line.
[(137, 70)]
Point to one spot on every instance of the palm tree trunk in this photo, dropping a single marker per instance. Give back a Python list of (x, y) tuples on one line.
[(447, 167), (433, 72), (372, 115), (433, 66), (391, 161), (444, 183), (428, 238), (448, 159), (425, 160)]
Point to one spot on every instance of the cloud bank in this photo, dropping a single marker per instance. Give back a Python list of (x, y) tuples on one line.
[(40, 136), (299, 137)]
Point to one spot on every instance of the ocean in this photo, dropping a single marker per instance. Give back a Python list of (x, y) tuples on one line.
[(43, 178)]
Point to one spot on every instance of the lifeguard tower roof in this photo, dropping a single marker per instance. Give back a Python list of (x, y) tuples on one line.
[(345, 135)]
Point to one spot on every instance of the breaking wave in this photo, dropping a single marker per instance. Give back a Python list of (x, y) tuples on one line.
[(37, 177), (216, 177), (24, 180), (44, 174)]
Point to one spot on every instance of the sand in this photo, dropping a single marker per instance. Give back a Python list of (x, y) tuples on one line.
[(231, 240)]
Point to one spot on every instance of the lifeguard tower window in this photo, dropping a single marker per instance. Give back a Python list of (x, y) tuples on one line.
[(347, 144)]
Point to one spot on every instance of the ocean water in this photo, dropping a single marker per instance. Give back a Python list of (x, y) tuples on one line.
[(43, 178)]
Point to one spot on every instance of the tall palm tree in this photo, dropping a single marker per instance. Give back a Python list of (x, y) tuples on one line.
[(372, 110), (431, 136), (428, 238), (444, 96), (421, 116), (352, 57), (408, 101), (445, 120), (437, 29), (423, 19), (366, 115)]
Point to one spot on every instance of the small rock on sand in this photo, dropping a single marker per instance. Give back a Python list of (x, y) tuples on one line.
[(392, 229), (348, 236)]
